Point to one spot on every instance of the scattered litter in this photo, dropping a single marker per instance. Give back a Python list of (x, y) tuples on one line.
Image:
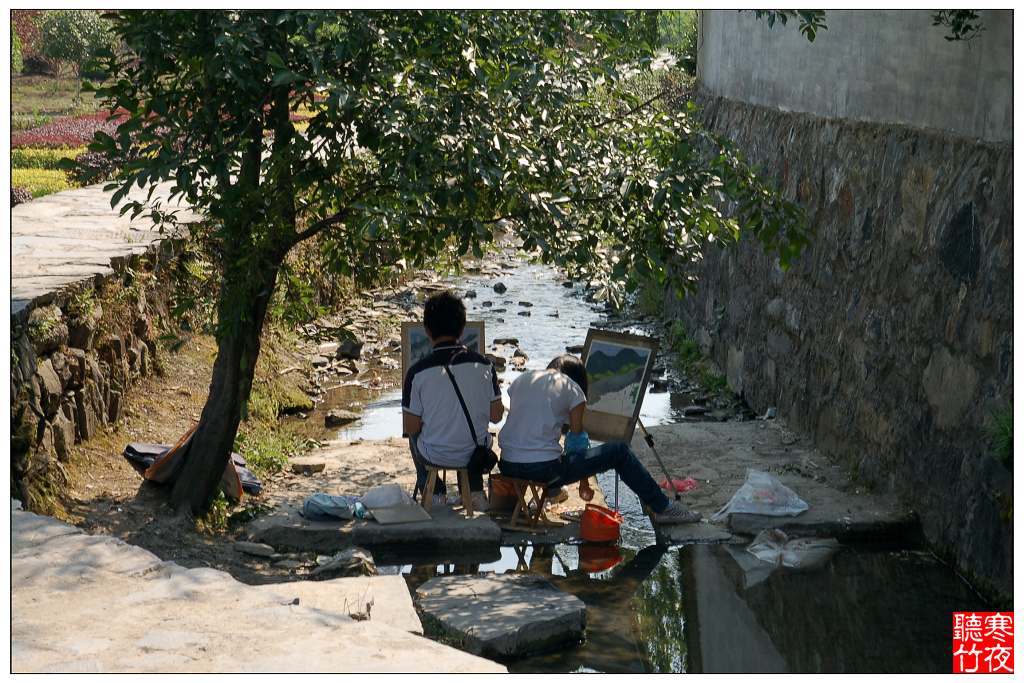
[(349, 562), (322, 506), (680, 485), (769, 414), (762, 494), (775, 547)]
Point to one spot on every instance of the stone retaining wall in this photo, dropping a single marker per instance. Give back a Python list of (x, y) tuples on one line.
[(890, 341), (74, 354)]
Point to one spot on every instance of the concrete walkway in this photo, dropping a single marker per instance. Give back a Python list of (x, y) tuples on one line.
[(718, 455), (95, 603), (71, 236)]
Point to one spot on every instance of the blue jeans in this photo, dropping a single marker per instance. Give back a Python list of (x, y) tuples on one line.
[(573, 467)]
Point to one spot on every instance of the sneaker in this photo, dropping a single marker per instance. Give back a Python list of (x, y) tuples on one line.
[(480, 503), (677, 513)]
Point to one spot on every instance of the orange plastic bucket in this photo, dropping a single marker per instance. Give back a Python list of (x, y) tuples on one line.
[(599, 524)]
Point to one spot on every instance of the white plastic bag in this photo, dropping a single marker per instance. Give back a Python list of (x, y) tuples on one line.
[(775, 547), (762, 494), (386, 496)]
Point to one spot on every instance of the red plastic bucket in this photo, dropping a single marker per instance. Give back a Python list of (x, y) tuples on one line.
[(599, 524)]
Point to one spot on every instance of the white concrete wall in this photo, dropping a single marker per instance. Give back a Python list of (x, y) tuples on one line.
[(886, 66)]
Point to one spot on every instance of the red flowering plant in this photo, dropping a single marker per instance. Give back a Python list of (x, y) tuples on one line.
[(69, 131)]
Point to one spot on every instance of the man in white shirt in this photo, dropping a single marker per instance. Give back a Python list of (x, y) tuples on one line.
[(432, 415)]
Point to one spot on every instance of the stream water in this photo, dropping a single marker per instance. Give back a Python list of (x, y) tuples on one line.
[(692, 608)]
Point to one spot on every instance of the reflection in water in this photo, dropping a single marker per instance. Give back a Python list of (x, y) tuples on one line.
[(694, 609), (660, 620), (613, 643), (868, 610)]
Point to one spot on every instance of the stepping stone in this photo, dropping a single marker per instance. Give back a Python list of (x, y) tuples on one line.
[(340, 418), (507, 615), (308, 465)]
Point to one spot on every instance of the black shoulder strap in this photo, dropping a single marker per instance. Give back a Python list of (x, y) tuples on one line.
[(462, 402)]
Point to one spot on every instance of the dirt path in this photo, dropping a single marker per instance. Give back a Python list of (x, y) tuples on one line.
[(105, 495)]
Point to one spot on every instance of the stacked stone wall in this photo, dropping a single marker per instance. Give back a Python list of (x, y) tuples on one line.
[(74, 356), (890, 341)]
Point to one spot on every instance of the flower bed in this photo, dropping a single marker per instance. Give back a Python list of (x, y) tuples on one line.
[(42, 157), (40, 181), (36, 153), (70, 131)]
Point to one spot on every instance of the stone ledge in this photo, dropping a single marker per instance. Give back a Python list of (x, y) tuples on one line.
[(448, 533)]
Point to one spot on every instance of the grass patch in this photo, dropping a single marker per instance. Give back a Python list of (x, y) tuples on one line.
[(267, 447), (40, 181), (47, 96), (215, 520), (42, 157)]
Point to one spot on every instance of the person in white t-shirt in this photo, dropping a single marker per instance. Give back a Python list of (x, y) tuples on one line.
[(541, 402), (441, 431)]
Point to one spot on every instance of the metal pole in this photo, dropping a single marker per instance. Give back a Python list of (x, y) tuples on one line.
[(650, 444)]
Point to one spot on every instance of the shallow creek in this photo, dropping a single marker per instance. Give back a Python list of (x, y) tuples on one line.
[(692, 608)]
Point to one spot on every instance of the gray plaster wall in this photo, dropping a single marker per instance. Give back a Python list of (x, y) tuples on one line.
[(886, 66), (890, 340)]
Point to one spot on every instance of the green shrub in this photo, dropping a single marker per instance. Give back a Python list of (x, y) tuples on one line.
[(73, 37), (17, 65), (40, 181), (41, 157)]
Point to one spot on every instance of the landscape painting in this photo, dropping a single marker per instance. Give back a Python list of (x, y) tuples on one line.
[(618, 367), (416, 344), (615, 373)]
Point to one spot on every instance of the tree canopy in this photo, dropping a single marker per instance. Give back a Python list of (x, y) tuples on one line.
[(427, 132)]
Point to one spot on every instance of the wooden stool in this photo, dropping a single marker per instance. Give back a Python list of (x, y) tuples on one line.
[(532, 507), (463, 476)]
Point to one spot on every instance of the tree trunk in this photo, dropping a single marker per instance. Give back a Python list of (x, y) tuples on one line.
[(242, 310)]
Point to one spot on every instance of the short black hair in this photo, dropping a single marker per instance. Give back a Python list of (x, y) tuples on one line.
[(572, 367), (444, 315)]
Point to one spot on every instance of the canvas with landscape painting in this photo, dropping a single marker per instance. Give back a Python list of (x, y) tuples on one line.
[(618, 368), (416, 345)]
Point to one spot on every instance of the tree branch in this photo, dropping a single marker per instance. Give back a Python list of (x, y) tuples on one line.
[(630, 112), (321, 225)]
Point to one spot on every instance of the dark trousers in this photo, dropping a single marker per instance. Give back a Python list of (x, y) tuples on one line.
[(573, 467), (475, 469)]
